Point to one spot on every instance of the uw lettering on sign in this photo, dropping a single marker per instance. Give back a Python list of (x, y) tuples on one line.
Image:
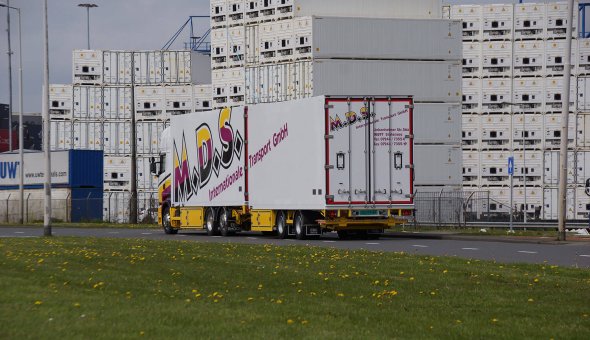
[(9, 170)]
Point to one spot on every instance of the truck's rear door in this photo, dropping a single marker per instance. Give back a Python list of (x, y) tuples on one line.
[(369, 151)]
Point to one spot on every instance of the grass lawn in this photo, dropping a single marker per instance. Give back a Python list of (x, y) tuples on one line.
[(106, 288)]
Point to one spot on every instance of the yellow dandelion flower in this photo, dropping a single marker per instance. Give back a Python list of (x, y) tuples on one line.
[(77, 304), (37, 303), (531, 300), (494, 320), (290, 322)]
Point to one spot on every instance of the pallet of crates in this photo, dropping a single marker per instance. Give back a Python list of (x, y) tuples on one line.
[(203, 97), (472, 21), (498, 22), (497, 59), (530, 21), (237, 47), (218, 13), (555, 58), (557, 15), (494, 168), (87, 67), (529, 58)]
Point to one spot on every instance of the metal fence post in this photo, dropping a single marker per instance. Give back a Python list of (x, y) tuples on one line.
[(29, 196), (7, 200), (67, 217)]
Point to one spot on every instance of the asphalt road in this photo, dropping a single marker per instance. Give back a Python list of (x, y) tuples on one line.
[(570, 254)]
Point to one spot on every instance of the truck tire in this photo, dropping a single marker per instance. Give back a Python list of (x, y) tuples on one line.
[(210, 223), (224, 222), (166, 222), (343, 234), (299, 227), (282, 228)]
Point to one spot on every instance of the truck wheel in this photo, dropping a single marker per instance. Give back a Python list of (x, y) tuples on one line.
[(299, 227), (224, 222), (210, 223), (282, 229), (166, 222)]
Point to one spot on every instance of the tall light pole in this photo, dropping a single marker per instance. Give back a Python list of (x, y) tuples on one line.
[(9, 79), (20, 118), (88, 7), (567, 74), (46, 135)]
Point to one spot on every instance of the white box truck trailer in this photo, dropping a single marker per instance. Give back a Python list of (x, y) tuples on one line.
[(298, 168)]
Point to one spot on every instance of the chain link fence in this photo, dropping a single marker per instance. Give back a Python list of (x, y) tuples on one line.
[(459, 208), (112, 208)]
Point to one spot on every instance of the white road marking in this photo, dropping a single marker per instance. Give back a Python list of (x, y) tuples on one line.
[(212, 236), (528, 252), (419, 246), (181, 235), (8, 236), (372, 244), (113, 232), (19, 232), (290, 240), (329, 241), (146, 233), (470, 248), (252, 238), (584, 255)]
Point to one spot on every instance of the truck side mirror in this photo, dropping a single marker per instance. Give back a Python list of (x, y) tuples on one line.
[(153, 166)]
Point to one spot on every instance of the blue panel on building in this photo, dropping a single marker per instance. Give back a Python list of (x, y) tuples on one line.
[(87, 205), (86, 169)]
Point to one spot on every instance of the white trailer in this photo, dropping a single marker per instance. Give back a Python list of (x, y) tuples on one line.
[(294, 168)]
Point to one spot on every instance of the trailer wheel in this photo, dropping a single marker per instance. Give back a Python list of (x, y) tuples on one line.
[(224, 222), (282, 229), (166, 222), (299, 227), (210, 223)]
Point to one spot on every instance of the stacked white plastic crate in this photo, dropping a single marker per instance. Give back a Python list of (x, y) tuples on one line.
[(295, 49), (513, 64), (96, 113)]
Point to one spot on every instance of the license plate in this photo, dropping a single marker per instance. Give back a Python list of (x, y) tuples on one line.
[(368, 213)]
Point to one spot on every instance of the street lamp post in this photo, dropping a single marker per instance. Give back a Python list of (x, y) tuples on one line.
[(9, 78), (88, 7), (46, 133), (20, 118)]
